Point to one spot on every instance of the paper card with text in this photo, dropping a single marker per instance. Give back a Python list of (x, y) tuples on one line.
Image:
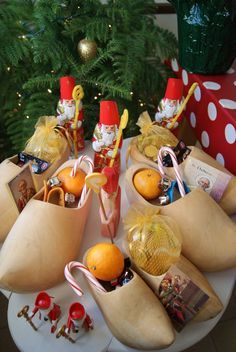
[(198, 174)]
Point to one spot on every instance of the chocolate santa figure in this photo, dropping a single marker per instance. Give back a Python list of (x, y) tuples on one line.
[(111, 197), (105, 135), (66, 111), (47, 310), (170, 104), (78, 319)]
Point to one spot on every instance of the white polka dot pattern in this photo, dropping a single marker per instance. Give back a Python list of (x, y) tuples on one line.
[(220, 159), (193, 119), (212, 85), (205, 139), (230, 133), (212, 111), (185, 77), (197, 94), (228, 103)]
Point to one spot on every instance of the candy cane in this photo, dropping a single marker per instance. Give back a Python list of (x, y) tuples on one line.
[(175, 166), (78, 290), (88, 160)]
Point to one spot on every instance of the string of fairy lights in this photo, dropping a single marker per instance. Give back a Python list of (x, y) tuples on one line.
[(66, 20)]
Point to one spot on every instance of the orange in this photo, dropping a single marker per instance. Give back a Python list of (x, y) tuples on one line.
[(72, 184), (105, 261), (146, 183)]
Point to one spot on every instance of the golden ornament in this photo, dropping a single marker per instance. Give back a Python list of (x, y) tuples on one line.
[(87, 49)]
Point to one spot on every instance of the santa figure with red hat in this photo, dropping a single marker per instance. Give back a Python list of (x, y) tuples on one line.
[(170, 104), (105, 135), (66, 110), (78, 319), (47, 310), (111, 197)]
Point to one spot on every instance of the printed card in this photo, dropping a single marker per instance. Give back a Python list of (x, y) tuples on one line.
[(198, 174), (181, 298)]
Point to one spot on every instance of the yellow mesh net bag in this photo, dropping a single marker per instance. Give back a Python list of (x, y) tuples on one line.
[(47, 143), (154, 240), (152, 137)]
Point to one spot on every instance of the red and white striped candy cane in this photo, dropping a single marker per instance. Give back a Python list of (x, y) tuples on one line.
[(89, 161), (89, 276), (175, 166)]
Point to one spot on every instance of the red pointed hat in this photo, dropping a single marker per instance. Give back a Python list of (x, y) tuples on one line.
[(174, 89), (76, 311), (43, 300), (67, 84), (109, 114)]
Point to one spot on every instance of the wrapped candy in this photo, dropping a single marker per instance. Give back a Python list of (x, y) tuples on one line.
[(47, 142), (154, 241)]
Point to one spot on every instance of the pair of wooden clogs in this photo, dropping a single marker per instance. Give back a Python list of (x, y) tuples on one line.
[(42, 240)]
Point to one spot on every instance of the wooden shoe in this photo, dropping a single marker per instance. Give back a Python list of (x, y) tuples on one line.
[(213, 305), (132, 312), (43, 239), (8, 170), (228, 200), (209, 239)]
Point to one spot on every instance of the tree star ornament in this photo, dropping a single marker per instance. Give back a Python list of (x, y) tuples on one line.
[(87, 49)]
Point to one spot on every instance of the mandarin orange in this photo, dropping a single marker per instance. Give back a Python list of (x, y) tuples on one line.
[(105, 261), (72, 184), (146, 182)]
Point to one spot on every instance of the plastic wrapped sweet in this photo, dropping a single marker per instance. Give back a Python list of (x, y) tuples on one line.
[(153, 240), (47, 142)]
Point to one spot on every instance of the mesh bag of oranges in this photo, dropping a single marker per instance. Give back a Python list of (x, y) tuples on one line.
[(153, 240)]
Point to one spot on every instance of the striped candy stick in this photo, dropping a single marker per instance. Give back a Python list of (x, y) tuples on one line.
[(69, 277), (175, 166), (89, 161)]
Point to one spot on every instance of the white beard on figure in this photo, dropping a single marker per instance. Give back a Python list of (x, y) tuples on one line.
[(107, 137), (169, 110), (69, 111)]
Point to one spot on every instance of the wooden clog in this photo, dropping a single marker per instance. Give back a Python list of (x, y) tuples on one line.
[(8, 170), (210, 309), (135, 315), (228, 200), (209, 239), (43, 239)]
